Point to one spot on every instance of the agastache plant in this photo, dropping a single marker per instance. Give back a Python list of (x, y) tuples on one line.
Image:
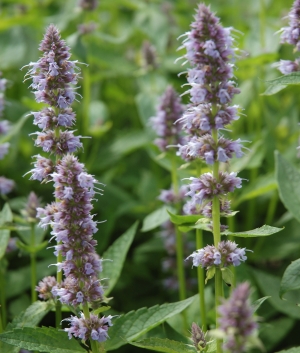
[(69, 216), (6, 185), (291, 35), (237, 322), (211, 56)]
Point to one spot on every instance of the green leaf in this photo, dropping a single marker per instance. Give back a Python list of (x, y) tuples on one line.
[(256, 305), (14, 129), (210, 273), (178, 219), (42, 340), (291, 350), (155, 219), (227, 275), (136, 323), (291, 278), (288, 178), (5, 216), (117, 253), (32, 315), (257, 232), (281, 82), (164, 345), (269, 286)]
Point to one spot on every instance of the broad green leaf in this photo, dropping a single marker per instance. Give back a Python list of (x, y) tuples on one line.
[(117, 253), (291, 278), (41, 339), (227, 275), (179, 219), (281, 82), (164, 345), (270, 285), (256, 305), (291, 350), (5, 216), (32, 315), (257, 232), (155, 219), (136, 323), (146, 104), (288, 179)]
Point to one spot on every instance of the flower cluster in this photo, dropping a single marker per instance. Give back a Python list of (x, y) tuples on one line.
[(225, 254), (236, 319), (94, 327), (69, 216), (168, 112), (6, 185), (291, 35), (198, 337)]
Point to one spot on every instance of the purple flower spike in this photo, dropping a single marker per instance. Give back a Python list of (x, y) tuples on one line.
[(169, 111), (236, 319)]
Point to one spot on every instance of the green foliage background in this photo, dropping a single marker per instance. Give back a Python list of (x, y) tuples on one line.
[(120, 93)]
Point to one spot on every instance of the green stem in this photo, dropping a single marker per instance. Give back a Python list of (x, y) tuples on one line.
[(218, 295), (3, 318), (33, 265), (201, 283), (217, 239), (94, 344)]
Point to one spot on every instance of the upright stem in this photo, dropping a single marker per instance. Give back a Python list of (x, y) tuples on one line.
[(201, 283), (86, 103), (3, 318), (33, 264), (217, 239), (94, 344), (179, 241)]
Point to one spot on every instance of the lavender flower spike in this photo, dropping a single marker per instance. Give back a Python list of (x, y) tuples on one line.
[(168, 112), (236, 319), (69, 216), (291, 35)]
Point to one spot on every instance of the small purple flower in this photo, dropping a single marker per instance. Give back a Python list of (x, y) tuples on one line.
[(45, 287), (227, 253), (236, 319), (94, 328), (6, 185)]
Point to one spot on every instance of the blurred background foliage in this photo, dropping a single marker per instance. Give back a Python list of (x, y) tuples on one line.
[(130, 47)]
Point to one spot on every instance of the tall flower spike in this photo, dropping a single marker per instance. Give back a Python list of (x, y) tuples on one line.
[(291, 35), (169, 111), (6, 185), (70, 218), (236, 319), (210, 53)]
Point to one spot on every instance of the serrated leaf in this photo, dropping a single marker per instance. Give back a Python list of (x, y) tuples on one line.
[(32, 315), (117, 253), (164, 345), (263, 231), (227, 275), (288, 179), (42, 340), (256, 305), (136, 323), (291, 278), (281, 82), (155, 219), (179, 219), (5, 216)]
